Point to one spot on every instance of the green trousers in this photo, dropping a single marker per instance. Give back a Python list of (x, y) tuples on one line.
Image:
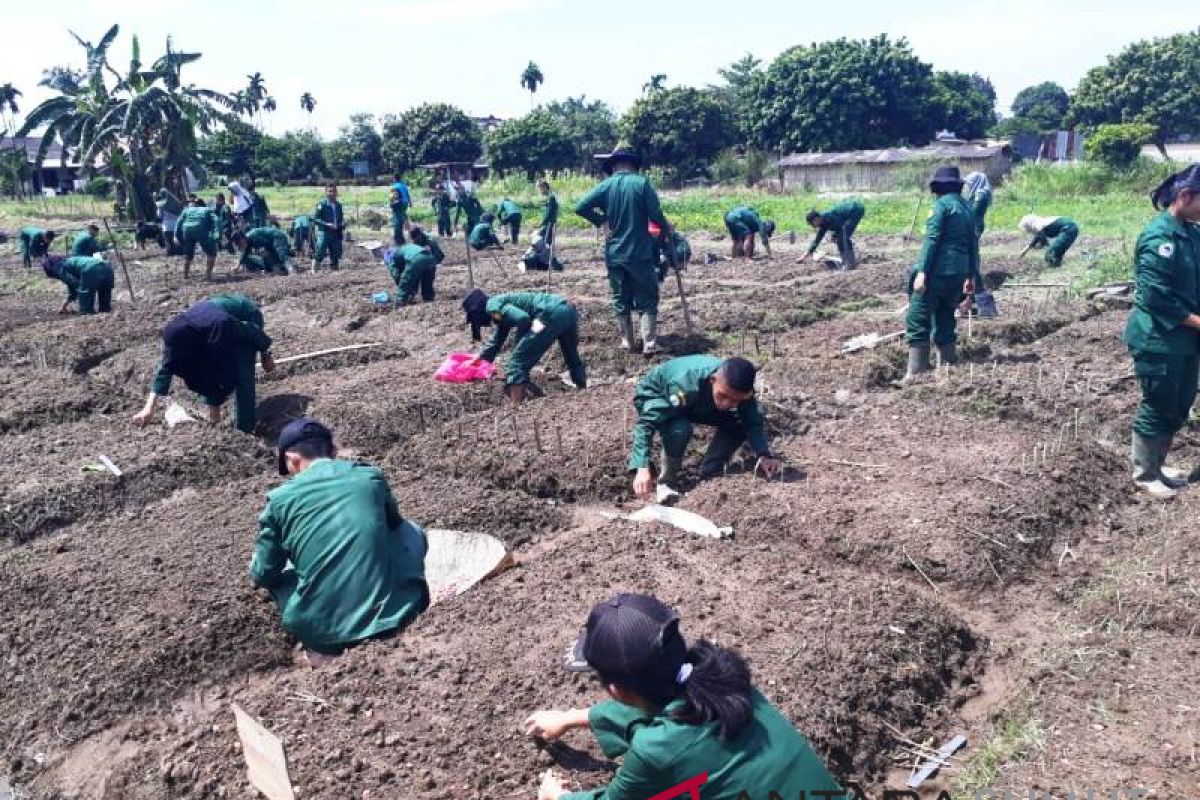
[(398, 221), (514, 228), (301, 239), (328, 243), (634, 288), (418, 273), (1064, 233), (677, 434), (245, 407), (197, 235), (562, 326), (1168, 386), (931, 313), (444, 226), (96, 283)]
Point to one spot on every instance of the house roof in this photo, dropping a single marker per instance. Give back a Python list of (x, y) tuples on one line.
[(54, 152), (444, 164), (893, 155)]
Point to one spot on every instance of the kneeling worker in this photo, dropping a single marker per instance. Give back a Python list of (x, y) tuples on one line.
[(696, 389), (212, 346), (540, 319), (333, 549), (87, 278), (743, 223), (273, 253), (482, 236), (414, 264)]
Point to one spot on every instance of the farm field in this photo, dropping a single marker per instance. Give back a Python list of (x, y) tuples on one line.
[(965, 555)]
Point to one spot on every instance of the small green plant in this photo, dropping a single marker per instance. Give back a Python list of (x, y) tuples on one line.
[(1107, 266), (1014, 736)]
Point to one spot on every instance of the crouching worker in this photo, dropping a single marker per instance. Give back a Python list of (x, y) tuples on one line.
[(482, 236), (198, 225), (264, 250), (333, 549), (87, 279), (35, 243), (700, 390), (539, 256), (743, 223), (679, 245), (841, 221), (678, 716), (213, 347), (539, 319), (414, 265), (1056, 234)]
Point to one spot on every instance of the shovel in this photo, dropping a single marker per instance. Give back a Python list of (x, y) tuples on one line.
[(868, 341)]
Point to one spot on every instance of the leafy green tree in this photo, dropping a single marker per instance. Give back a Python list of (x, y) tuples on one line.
[(966, 103), (590, 125), (232, 150), (533, 144), (428, 134), (358, 141), (657, 83), (680, 129), (1044, 104), (1156, 82), (1118, 146), (308, 103), (845, 95), (742, 79), (531, 79)]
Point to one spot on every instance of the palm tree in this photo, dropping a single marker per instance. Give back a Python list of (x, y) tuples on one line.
[(531, 78), (269, 106), (308, 103), (8, 105), (656, 83), (256, 94)]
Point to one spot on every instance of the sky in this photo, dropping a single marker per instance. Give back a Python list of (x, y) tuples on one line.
[(384, 56)]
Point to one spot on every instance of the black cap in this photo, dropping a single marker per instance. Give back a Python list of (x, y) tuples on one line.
[(299, 430), (739, 374), (632, 639), (946, 176), (474, 305)]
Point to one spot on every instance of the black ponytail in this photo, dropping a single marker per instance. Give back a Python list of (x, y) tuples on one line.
[(717, 690), (1169, 189)]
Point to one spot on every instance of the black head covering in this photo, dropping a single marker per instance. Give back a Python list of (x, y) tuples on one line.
[(474, 305), (1169, 189), (52, 266), (625, 154), (768, 228), (739, 374), (946, 176), (200, 346)]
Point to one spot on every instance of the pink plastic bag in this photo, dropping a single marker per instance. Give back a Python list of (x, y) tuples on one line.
[(456, 369)]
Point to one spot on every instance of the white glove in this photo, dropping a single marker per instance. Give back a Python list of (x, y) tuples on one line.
[(538, 326)]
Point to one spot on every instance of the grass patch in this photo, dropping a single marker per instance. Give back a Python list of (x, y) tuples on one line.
[(862, 304), (982, 404), (1016, 735), (1112, 265)]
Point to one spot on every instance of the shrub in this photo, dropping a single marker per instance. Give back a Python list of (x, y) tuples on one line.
[(98, 187), (1118, 146)]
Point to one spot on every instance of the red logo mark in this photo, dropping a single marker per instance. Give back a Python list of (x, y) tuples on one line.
[(691, 786)]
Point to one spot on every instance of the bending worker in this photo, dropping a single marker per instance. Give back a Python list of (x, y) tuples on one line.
[(841, 220), (35, 243), (1056, 234), (509, 214), (333, 550), (302, 235), (467, 204), (625, 204), (540, 319), (482, 236), (703, 390), (678, 716), (414, 265), (212, 346), (1163, 331), (264, 250), (743, 223), (85, 242), (198, 225), (88, 279)]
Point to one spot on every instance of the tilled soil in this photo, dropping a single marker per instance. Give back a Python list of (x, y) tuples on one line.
[(881, 589)]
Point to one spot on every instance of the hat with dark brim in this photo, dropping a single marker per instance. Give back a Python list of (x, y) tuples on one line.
[(946, 176), (607, 160), (300, 430)]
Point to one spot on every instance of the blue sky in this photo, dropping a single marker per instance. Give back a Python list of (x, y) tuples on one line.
[(383, 57)]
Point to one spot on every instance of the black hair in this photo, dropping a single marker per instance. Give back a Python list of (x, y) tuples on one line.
[(418, 235), (237, 237), (717, 690), (543, 182), (309, 449), (329, 186), (812, 216), (1186, 180), (51, 234)]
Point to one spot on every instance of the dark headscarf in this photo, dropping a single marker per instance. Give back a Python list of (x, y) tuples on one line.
[(53, 266), (474, 305), (200, 346), (1169, 189)]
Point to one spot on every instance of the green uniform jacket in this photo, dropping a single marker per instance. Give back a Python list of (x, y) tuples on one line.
[(272, 238), (328, 217), (681, 387), (517, 310), (980, 204), (482, 236), (399, 210), (74, 269), (469, 205), (836, 218), (1167, 277), (507, 208), (359, 566), (442, 204), (769, 758), (414, 254), (33, 241), (85, 244), (951, 246), (245, 311), (627, 203), (198, 223), (744, 217), (550, 219)]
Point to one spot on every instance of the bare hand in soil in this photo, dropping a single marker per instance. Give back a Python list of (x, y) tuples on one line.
[(552, 788), (769, 467), (268, 362), (919, 283), (551, 725), (143, 416), (643, 483), (803, 258)]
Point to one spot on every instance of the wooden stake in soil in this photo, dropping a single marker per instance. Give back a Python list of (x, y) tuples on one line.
[(537, 436), (558, 436), (421, 417), (470, 267), (121, 258)]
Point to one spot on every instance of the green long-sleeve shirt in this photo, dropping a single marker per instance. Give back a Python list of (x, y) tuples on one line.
[(84, 244), (328, 217), (836, 218), (442, 205), (198, 222), (768, 758), (253, 328), (75, 271), (627, 204), (482, 236), (34, 242), (507, 209), (681, 388), (951, 246), (550, 218), (745, 217), (413, 254), (272, 238), (1167, 280), (301, 224), (517, 311), (469, 205), (357, 564)]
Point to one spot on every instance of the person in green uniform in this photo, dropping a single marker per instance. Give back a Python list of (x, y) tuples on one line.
[(678, 715), (264, 250), (212, 347), (414, 265), (88, 278), (35, 243), (678, 243), (946, 271), (259, 215), (331, 227), (743, 223), (550, 218), (483, 236), (540, 319), (467, 205), (842, 221), (977, 190), (333, 549), (442, 204), (1163, 330), (625, 204), (85, 242), (702, 390), (198, 225), (399, 210), (302, 234), (224, 215), (509, 214), (1056, 234)]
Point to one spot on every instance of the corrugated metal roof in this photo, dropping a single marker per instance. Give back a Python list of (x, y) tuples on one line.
[(31, 145), (894, 155)]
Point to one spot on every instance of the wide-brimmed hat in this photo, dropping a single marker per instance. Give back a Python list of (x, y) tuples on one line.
[(946, 175), (620, 153)]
